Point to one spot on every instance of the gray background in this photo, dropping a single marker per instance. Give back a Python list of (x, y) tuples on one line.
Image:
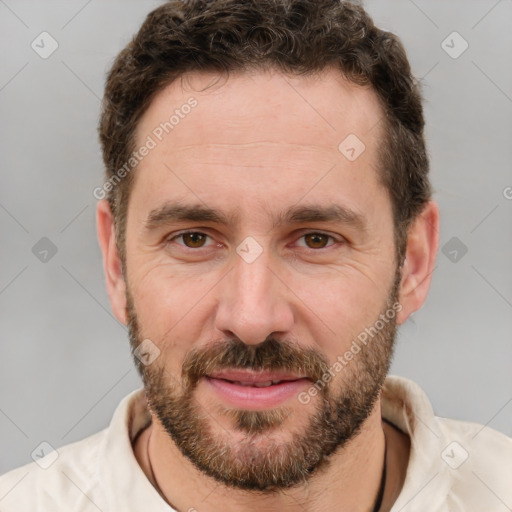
[(65, 361)]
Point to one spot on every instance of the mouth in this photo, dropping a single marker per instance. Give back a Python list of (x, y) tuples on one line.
[(255, 390), (265, 384)]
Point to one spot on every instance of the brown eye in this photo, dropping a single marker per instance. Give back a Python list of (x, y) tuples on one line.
[(316, 240), (193, 240)]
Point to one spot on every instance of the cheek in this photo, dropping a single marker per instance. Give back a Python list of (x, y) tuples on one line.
[(340, 305), (172, 308)]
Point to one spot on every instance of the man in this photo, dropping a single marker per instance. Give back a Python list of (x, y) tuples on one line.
[(266, 223)]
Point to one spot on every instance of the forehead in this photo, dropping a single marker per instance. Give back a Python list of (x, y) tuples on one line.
[(264, 134), (326, 105)]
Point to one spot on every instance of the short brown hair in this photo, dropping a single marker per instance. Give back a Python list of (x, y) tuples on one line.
[(293, 36)]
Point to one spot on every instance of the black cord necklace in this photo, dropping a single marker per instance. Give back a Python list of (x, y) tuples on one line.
[(380, 495), (162, 495)]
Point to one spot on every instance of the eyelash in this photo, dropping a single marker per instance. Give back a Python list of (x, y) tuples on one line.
[(335, 240)]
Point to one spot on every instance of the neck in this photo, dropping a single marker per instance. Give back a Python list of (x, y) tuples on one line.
[(350, 482)]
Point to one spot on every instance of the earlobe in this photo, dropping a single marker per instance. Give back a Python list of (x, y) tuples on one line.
[(114, 278), (421, 252)]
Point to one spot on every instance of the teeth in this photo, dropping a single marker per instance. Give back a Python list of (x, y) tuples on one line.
[(262, 384), (258, 384)]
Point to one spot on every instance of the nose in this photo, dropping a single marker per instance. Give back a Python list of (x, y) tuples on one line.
[(254, 302)]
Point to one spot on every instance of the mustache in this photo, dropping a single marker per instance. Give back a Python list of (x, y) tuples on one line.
[(270, 355)]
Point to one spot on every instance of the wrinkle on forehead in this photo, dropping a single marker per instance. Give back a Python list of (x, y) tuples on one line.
[(256, 144), (253, 155)]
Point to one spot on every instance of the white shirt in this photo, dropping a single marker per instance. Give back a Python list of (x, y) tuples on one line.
[(453, 465)]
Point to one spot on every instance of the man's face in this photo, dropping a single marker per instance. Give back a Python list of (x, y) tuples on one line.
[(265, 291)]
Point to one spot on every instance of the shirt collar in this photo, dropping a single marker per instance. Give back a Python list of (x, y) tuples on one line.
[(428, 479), (126, 485)]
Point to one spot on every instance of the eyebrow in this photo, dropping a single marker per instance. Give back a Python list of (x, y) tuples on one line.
[(170, 213)]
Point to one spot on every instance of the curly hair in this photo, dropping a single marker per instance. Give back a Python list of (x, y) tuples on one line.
[(297, 37)]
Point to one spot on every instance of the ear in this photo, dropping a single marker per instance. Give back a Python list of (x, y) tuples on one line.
[(116, 287), (420, 258)]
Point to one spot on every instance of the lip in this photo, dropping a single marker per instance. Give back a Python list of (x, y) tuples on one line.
[(248, 397)]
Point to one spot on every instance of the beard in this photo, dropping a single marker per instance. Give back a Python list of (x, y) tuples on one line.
[(258, 460)]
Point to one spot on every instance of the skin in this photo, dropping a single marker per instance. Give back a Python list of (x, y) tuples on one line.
[(259, 143)]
